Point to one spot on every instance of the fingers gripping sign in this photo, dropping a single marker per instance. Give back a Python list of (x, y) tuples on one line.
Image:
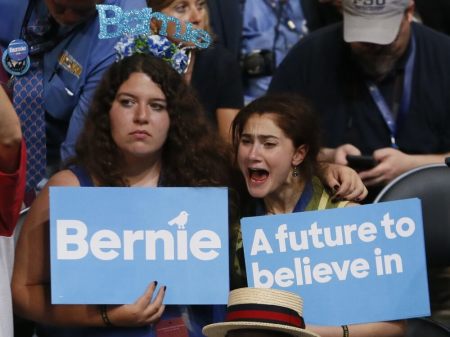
[(147, 309)]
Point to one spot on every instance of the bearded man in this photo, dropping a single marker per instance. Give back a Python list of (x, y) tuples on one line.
[(381, 83)]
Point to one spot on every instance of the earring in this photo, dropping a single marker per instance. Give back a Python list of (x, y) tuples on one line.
[(295, 171)]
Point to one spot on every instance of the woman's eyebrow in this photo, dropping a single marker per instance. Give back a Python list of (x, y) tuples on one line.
[(261, 137)]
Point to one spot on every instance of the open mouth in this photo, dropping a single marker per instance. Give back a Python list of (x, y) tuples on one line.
[(258, 175)]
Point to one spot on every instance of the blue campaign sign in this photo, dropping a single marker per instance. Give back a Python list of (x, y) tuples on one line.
[(351, 265), (108, 244)]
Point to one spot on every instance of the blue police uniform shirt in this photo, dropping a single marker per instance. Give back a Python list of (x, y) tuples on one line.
[(69, 81), (259, 22)]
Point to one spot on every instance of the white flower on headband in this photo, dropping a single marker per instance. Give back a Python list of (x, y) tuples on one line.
[(156, 45)]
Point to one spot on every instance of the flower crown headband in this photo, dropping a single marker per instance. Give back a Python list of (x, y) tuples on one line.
[(134, 25), (157, 45)]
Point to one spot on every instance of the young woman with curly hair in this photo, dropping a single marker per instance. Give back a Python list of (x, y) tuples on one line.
[(145, 128), (189, 143)]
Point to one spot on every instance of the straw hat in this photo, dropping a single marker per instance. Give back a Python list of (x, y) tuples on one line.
[(262, 308)]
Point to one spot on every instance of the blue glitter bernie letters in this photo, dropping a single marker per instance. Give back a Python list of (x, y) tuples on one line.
[(115, 22)]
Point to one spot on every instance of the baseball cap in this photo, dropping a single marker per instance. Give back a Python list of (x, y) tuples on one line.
[(373, 21)]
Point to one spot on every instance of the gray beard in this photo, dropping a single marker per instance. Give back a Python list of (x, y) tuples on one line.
[(374, 68)]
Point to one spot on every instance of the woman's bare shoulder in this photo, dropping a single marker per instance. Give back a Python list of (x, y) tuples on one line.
[(64, 178)]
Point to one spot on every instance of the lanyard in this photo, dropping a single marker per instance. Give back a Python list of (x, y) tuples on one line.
[(299, 207), (405, 102)]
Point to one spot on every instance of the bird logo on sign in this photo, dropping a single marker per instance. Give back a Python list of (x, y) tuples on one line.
[(180, 220)]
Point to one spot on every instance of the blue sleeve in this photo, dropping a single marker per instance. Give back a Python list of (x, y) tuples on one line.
[(102, 56), (79, 113)]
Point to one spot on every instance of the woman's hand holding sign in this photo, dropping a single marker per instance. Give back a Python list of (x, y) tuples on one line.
[(142, 312)]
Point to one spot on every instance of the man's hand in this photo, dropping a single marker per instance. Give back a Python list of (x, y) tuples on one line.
[(392, 163), (341, 152)]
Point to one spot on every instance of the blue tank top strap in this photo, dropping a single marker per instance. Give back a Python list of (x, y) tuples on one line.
[(83, 176), (303, 201)]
